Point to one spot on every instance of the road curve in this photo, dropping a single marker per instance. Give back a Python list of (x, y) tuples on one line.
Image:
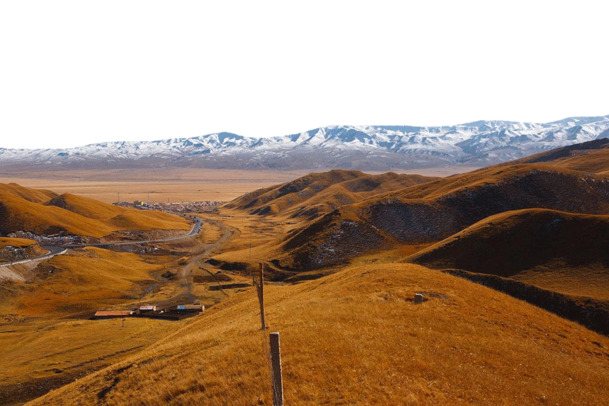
[(185, 273), (52, 252), (193, 231), (58, 250)]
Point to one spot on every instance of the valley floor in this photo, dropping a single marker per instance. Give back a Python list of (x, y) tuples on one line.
[(47, 336)]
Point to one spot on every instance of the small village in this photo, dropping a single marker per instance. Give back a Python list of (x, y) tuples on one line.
[(205, 206)]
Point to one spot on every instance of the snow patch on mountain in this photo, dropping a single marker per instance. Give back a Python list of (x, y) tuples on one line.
[(477, 143)]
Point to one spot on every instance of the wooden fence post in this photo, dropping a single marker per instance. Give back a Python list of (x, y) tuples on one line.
[(260, 290), (276, 366)]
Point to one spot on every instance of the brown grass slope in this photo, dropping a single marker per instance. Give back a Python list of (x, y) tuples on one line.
[(356, 337), (435, 210), (43, 212), (47, 340), (320, 193), (83, 281), (16, 242), (592, 156), (456, 203), (330, 240), (511, 243), (556, 260), (31, 195)]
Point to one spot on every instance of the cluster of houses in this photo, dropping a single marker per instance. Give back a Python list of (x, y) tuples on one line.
[(175, 312), (187, 207), (181, 207)]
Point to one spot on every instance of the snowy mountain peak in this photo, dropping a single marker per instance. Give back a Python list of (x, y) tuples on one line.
[(359, 147)]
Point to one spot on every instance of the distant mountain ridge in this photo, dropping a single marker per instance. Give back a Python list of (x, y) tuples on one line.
[(478, 143)]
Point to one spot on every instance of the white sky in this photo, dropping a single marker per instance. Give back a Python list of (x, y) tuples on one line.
[(78, 72)]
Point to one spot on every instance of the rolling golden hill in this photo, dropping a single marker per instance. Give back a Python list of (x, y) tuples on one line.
[(44, 212), (592, 156), (319, 193), (556, 260), (434, 210), (534, 241), (521, 242), (356, 337), (16, 242)]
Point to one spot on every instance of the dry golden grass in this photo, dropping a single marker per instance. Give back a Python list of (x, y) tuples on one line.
[(25, 249), (45, 337), (83, 281), (31, 195), (560, 251), (591, 156), (494, 175), (36, 352), (594, 161), (590, 280), (168, 184), (319, 193), (44, 212), (256, 237), (426, 212), (210, 233), (356, 338), (16, 242)]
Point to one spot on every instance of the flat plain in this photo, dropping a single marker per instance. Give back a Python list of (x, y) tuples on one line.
[(165, 184), (154, 185)]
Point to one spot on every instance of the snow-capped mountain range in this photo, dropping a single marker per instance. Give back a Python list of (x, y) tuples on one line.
[(355, 147)]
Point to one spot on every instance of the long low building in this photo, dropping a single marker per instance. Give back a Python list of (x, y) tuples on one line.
[(190, 308), (112, 313)]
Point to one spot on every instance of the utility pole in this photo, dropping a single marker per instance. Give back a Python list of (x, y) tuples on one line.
[(252, 232), (260, 290)]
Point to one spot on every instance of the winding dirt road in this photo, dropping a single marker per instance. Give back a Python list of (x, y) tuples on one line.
[(185, 273), (58, 250), (7, 273)]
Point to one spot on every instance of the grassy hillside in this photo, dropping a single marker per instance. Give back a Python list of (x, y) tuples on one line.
[(43, 212), (556, 260), (527, 244), (592, 156), (435, 210), (320, 193), (330, 240), (356, 337), (31, 195), (83, 281), (16, 242), (46, 338)]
